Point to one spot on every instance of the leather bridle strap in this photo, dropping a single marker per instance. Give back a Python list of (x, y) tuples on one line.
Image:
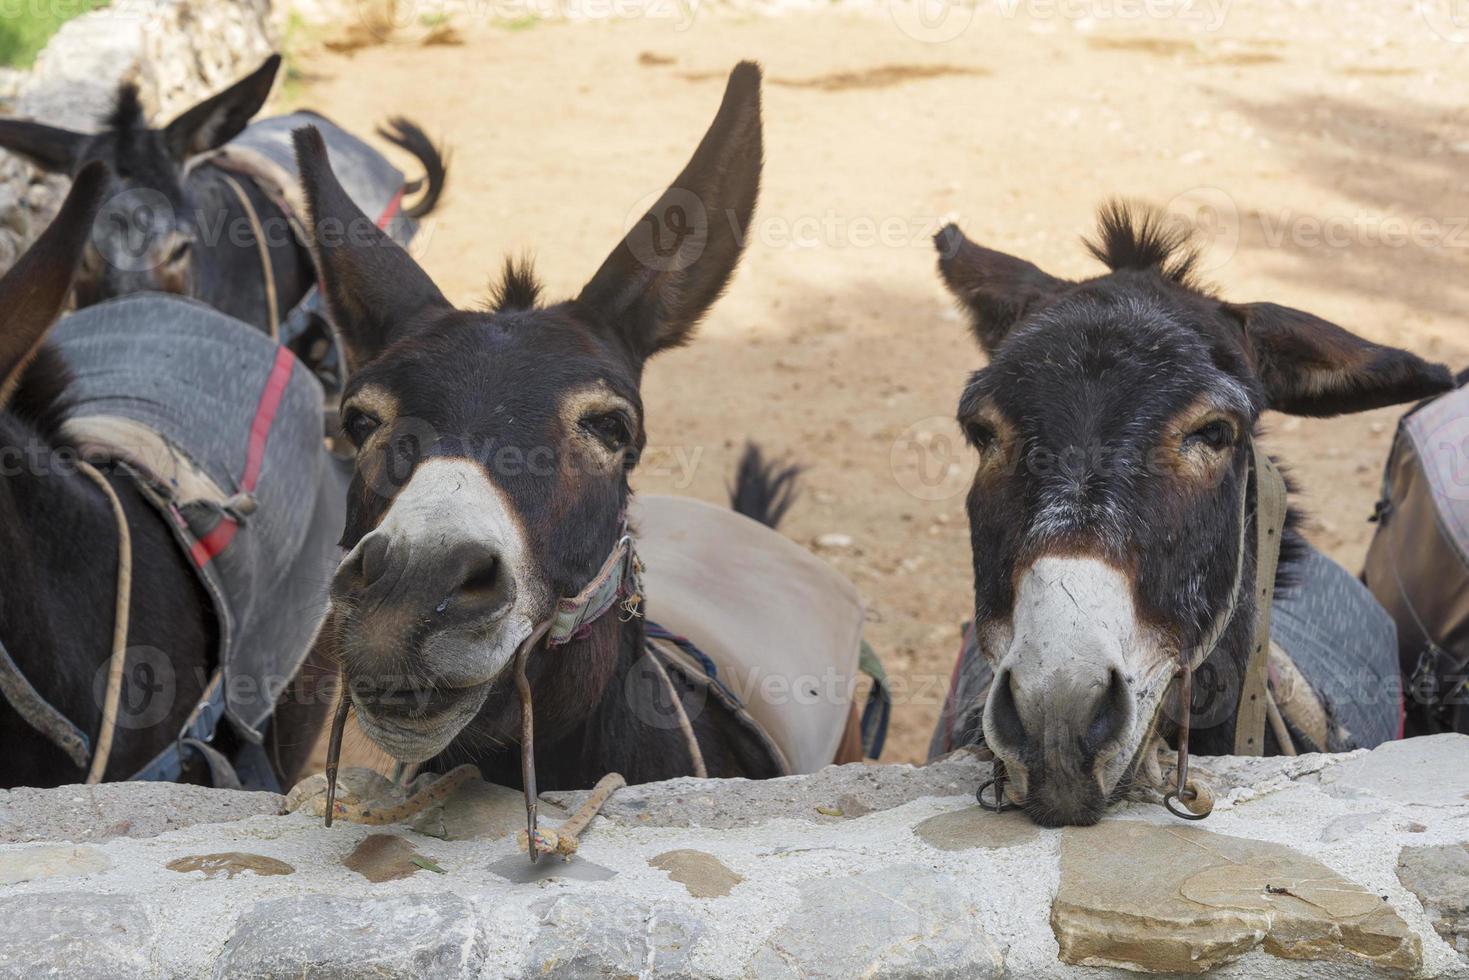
[(1254, 709), (267, 271), (39, 714), (1254, 702), (619, 578)]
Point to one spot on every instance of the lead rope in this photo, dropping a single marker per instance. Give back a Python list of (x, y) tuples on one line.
[(123, 605), (267, 272)]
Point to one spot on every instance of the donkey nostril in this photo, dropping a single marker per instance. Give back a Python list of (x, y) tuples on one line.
[(1112, 712), (373, 559), (485, 585), (485, 578), (1004, 714)]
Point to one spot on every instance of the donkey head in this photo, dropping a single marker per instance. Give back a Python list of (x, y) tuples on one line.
[(493, 447), (1114, 424), (144, 236)]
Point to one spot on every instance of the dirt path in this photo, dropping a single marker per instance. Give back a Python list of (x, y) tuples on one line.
[(836, 344)]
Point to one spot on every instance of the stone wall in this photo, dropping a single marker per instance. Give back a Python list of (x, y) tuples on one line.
[(177, 51), (1334, 866)]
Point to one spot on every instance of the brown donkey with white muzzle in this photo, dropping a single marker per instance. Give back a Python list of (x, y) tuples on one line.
[(1124, 525), (488, 522)]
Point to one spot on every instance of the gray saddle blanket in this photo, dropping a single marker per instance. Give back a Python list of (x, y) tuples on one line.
[(264, 153), (222, 428), (264, 150), (1339, 637)]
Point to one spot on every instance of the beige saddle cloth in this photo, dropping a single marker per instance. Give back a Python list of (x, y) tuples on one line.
[(783, 628)]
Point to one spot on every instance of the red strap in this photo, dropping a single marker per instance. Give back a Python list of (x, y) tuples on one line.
[(391, 210), (219, 539)]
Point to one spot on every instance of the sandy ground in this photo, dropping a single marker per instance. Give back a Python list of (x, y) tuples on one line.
[(1322, 148)]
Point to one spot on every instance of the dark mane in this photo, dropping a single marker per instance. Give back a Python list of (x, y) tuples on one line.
[(127, 111), (1135, 236), (518, 288)]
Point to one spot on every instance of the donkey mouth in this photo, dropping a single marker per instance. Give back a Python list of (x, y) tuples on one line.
[(416, 724)]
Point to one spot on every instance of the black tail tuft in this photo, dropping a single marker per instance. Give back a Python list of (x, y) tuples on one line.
[(400, 132), (763, 489), (1461, 378)]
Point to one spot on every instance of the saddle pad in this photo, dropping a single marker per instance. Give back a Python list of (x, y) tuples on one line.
[(783, 628), (223, 429), (265, 152), (1336, 635), (1418, 563)]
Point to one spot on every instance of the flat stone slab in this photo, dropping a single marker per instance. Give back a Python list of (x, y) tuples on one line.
[(410, 936), (74, 935), (1439, 876), (1181, 899), (98, 813), (900, 921), (1428, 771)]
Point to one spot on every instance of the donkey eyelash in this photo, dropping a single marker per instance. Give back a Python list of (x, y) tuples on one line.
[(359, 425), (614, 429), (981, 435), (1216, 434)]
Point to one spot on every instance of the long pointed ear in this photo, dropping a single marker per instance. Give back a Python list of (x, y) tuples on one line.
[(1311, 367), (374, 291), (997, 290), (54, 150), (219, 118), (33, 292), (663, 277)]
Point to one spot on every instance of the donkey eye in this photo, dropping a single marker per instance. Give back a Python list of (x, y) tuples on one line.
[(980, 435), (359, 425), (1216, 434), (613, 428), (180, 251)]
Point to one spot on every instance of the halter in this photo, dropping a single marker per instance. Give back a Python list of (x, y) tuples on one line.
[(617, 584), (1254, 704)]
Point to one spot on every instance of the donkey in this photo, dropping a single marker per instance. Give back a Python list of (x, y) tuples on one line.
[(69, 530), (175, 221), (491, 482), (1114, 425)]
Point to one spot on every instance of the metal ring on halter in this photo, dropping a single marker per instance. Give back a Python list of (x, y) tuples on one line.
[(998, 780), (1181, 814), (1185, 724)]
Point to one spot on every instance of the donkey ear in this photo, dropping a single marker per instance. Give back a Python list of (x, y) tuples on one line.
[(663, 277), (33, 292), (374, 291), (54, 150), (1311, 367), (219, 118), (997, 289)]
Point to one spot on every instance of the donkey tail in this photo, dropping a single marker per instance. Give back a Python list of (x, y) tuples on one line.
[(763, 489), (405, 134)]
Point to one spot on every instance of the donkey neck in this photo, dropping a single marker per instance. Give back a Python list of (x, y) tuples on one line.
[(228, 271), (596, 709)]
